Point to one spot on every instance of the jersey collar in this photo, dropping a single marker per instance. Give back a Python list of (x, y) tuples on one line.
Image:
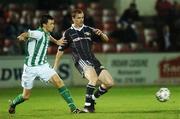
[(41, 29), (79, 29)]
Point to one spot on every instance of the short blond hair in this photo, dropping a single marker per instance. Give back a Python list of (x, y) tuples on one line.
[(75, 12)]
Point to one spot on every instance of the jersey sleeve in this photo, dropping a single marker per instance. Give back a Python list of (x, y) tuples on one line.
[(65, 46), (35, 34)]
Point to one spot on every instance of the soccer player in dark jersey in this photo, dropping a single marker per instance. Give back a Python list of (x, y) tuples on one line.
[(80, 39)]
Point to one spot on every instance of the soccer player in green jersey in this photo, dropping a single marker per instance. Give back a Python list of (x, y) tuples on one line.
[(36, 64)]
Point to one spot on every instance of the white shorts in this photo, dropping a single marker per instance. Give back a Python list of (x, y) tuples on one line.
[(45, 72)]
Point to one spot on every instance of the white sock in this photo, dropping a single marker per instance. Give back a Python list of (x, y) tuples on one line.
[(93, 97)]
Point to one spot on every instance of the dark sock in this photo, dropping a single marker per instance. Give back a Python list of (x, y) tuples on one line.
[(17, 100), (67, 97), (100, 91), (89, 92)]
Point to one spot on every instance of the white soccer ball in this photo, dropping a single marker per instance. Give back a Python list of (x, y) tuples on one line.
[(163, 94)]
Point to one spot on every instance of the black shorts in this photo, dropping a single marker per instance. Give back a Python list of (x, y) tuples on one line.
[(92, 62)]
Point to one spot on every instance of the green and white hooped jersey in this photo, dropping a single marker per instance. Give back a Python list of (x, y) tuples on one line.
[(36, 47)]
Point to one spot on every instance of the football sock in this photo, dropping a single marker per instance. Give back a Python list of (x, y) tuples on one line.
[(17, 100), (67, 97), (100, 91), (89, 92)]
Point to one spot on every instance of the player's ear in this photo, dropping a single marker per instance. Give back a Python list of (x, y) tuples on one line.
[(73, 19), (43, 25)]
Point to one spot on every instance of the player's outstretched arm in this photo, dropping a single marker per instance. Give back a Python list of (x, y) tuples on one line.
[(57, 59), (60, 42), (23, 36), (103, 36)]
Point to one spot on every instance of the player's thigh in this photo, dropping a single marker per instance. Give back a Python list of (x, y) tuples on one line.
[(106, 78), (28, 77), (86, 68), (56, 81), (90, 73), (46, 72)]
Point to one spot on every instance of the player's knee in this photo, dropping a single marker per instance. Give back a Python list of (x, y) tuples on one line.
[(26, 97), (110, 84), (58, 83), (91, 77), (93, 81)]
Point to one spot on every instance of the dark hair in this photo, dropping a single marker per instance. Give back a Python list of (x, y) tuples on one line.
[(76, 11), (44, 19)]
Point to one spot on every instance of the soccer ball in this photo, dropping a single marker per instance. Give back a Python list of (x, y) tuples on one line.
[(163, 94)]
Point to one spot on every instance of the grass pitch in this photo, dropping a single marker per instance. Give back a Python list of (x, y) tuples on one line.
[(118, 103)]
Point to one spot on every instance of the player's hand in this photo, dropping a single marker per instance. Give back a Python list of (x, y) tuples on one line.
[(22, 36), (98, 31), (61, 42)]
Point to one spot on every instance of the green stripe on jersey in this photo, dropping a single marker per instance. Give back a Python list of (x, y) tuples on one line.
[(43, 53), (36, 49), (30, 47), (26, 53), (39, 44)]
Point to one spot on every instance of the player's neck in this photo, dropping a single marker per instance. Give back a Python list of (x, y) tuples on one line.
[(77, 27), (44, 29)]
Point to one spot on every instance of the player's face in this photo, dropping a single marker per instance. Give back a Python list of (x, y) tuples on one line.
[(50, 25), (78, 20)]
